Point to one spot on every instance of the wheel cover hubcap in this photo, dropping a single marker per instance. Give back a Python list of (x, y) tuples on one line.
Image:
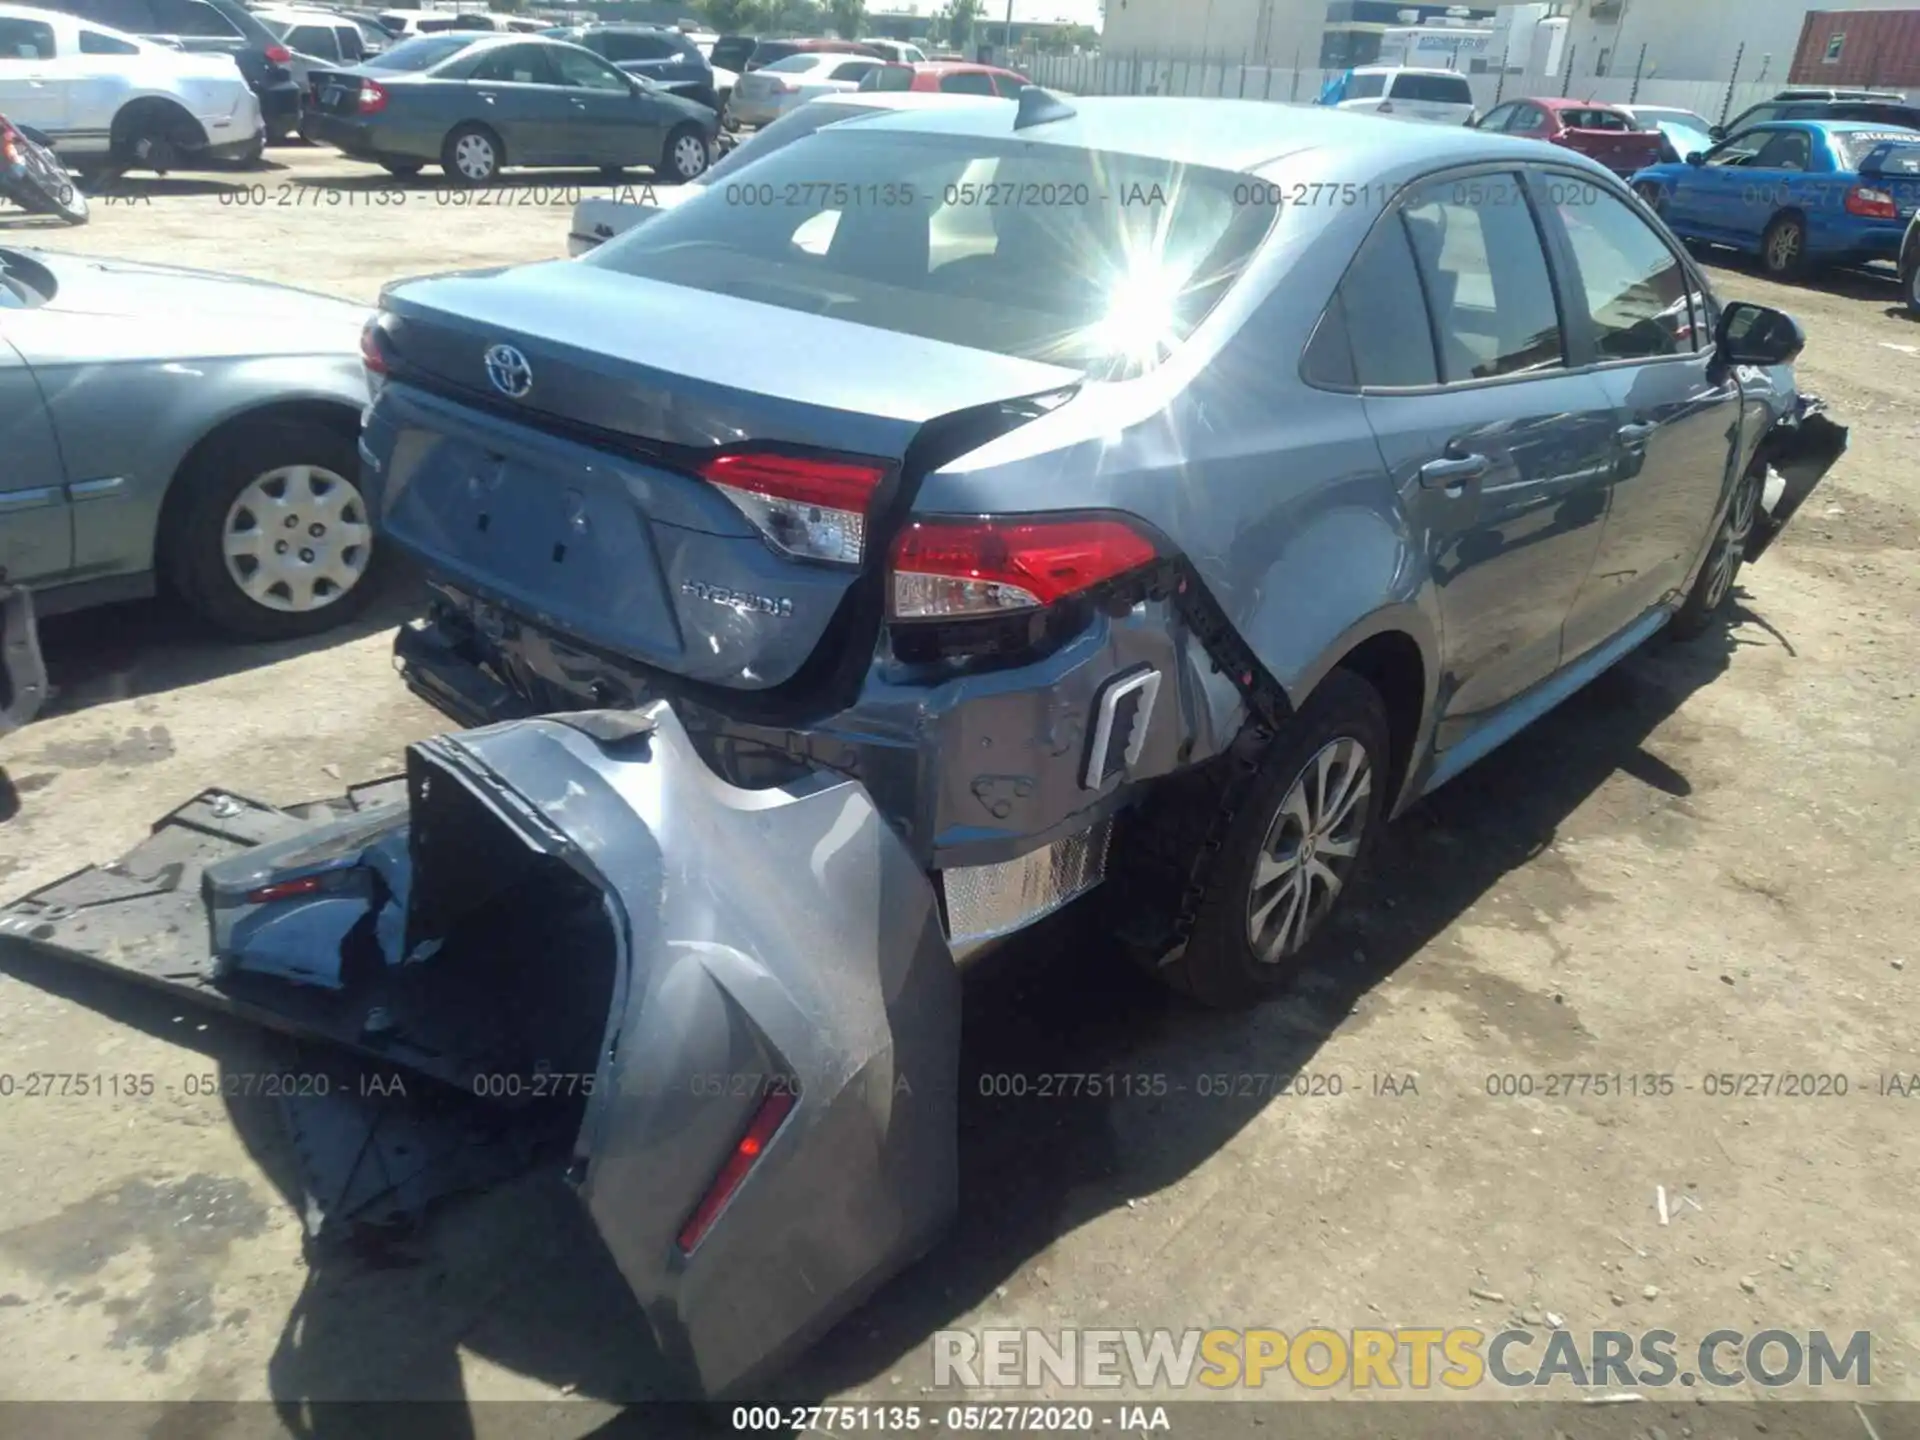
[(474, 157), (690, 156), (1733, 540), (296, 539), (1307, 855)]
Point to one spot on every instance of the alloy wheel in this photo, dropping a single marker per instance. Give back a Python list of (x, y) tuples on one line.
[(1732, 543), (296, 538), (1784, 248), (1307, 855)]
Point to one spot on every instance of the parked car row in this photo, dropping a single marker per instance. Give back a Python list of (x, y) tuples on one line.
[(1228, 528)]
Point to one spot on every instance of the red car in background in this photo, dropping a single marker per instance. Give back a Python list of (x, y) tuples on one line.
[(956, 77), (1600, 131)]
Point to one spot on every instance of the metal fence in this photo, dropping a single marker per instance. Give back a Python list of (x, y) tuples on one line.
[(1234, 78)]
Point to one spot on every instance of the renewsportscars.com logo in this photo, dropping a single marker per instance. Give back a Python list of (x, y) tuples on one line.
[(1406, 1358)]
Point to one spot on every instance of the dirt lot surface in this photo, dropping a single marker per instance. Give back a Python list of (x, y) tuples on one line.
[(1703, 865)]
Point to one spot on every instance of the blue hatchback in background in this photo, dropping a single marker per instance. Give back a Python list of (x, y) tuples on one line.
[(1798, 193)]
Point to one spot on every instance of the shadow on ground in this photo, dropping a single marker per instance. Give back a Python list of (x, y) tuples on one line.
[(517, 1276), (147, 647)]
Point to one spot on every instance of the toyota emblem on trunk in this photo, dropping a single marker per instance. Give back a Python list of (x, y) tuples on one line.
[(509, 371)]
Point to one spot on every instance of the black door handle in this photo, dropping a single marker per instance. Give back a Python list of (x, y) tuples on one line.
[(1635, 435), (1452, 470)]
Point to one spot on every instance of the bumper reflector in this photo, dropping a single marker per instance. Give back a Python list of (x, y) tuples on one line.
[(985, 902), (772, 1113)]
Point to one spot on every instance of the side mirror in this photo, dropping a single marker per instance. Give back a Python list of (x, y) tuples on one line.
[(1751, 334), (1696, 157), (1717, 132)]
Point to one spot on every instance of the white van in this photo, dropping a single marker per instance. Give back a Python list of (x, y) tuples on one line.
[(1441, 97)]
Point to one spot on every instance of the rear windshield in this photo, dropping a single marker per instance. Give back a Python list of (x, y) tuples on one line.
[(1366, 87), (1097, 261), (1903, 160), (422, 52), (1440, 89), (730, 52), (1855, 146), (889, 77), (767, 51)]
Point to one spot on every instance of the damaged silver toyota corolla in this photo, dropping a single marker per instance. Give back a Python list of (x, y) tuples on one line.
[(1124, 492)]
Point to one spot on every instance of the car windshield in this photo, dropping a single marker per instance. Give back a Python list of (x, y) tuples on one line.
[(731, 52), (1856, 145), (422, 52), (1096, 261), (784, 131)]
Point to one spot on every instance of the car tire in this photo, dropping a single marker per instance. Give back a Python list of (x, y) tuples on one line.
[(402, 169), (1706, 602), (1910, 286), (1253, 930), (685, 158), (1783, 248), (472, 155), (274, 587)]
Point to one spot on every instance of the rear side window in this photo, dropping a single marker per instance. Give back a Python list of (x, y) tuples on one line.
[(25, 40), (422, 52), (1378, 309), (967, 82), (98, 42), (1107, 266), (888, 77), (190, 17), (853, 70), (1435, 89), (1635, 287), (1488, 289), (1855, 147), (1594, 120), (515, 65), (315, 40)]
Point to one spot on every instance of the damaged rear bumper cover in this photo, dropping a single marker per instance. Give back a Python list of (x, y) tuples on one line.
[(767, 1093)]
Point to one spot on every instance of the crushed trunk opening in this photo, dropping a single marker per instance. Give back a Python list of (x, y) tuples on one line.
[(732, 1012)]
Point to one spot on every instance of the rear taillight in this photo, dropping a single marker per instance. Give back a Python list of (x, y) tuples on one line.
[(372, 357), (9, 143), (279, 55), (1871, 204), (761, 1129), (286, 890), (951, 569), (808, 507), (373, 97)]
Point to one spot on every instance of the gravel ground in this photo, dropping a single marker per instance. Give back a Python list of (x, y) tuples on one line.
[(1702, 864)]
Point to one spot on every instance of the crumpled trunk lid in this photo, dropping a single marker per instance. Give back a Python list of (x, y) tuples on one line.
[(577, 911)]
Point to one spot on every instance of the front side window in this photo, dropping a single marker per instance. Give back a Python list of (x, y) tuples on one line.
[(1488, 288), (982, 242), (1635, 287), (25, 40), (1740, 149), (1788, 150), (583, 71), (514, 65)]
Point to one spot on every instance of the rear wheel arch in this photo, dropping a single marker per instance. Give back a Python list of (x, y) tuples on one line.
[(1392, 662)]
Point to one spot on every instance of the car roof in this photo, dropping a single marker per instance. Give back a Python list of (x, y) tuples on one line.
[(826, 56), (1223, 134), (907, 100), (953, 67), (1562, 102), (1406, 70)]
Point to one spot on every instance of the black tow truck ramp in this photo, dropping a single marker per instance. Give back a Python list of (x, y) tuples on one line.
[(731, 1015)]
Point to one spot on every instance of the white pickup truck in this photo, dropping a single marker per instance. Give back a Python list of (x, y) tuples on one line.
[(107, 100), (596, 221)]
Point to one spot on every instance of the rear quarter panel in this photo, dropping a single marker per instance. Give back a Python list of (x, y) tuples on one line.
[(1276, 493)]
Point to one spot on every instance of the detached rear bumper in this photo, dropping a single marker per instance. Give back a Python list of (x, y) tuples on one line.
[(577, 910)]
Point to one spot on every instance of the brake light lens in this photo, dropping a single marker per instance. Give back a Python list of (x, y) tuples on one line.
[(761, 1129), (286, 890), (947, 569), (278, 55), (1871, 204), (805, 506), (9, 143), (373, 97)]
